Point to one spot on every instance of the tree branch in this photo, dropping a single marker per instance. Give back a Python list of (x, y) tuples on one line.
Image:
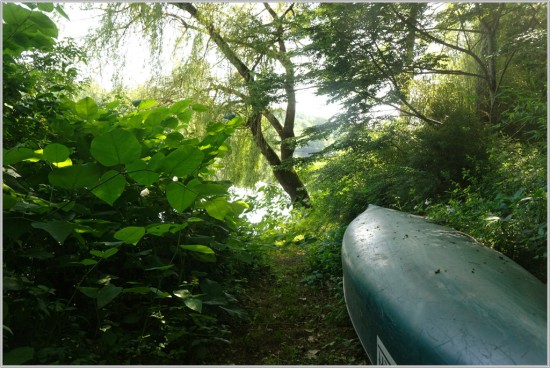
[(442, 42)]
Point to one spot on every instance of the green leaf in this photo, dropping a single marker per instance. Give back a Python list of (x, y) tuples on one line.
[(88, 262), (19, 355), (90, 292), (56, 152), (59, 230), (183, 161), (8, 201), (170, 123), (107, 294), (111, 187), (218, 208), (198, 248), (160, 268), (86, 108), (18, 154), (74, 177), (158, 229), (173, 140), (130, 234), (235, 311), (14, 14), (185, 116), (179, 196), (104, 253), (199, 107), (44, 24), (156, 117), (116, 147), (161, 229), (141, 173), (47, 7), (60, 10), (159, 293), (146, 104), (179, 106), (183, 294), (194, 304)]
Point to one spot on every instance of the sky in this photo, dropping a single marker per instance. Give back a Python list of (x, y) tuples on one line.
[(136, 71)]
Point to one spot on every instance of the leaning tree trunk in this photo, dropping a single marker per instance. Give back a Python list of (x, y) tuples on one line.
[(283, 168), (285, 174)]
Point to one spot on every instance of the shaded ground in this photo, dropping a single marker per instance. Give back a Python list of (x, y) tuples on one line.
[(291, 323)]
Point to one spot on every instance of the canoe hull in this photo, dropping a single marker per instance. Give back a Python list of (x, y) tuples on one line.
[(423, 294)]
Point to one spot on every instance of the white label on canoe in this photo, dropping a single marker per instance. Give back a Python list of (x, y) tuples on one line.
[(382, 355)]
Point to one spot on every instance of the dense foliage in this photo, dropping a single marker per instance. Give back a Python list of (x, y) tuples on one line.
[(123, 244), (118, 246), (466, 141)]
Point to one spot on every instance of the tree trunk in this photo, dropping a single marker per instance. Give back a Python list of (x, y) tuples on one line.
[(285, 174), (489, 27), (282, 166)]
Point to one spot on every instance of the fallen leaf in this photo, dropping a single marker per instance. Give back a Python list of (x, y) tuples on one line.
[(311, 354)]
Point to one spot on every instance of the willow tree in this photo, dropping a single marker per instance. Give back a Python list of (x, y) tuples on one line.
[(253, 39)]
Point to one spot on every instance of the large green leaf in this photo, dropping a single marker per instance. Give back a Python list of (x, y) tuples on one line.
[(59, 230), (74, 177), (110, 187), (170, 123), (173, 140), (86, 108), (161, 229), (90, 292), (198, 248), (179, 106), (192, 303), (18, 356), (17, 154), (155, 118), (56, 152), (44, 24), (24, 29), (107, 294), (116, 147), (185, 116), (179, 196), (218, 208), (183, 161), (141, 172), (201, 252), (14, 14), (130, 234), (146, 104)]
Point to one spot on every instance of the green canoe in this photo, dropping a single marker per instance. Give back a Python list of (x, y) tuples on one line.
[(423, 294)]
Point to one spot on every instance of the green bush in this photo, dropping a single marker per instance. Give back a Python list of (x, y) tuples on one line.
[(512, 219), (119, 247)]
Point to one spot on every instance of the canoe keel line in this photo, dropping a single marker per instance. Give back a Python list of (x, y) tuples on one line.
[(423, 294)]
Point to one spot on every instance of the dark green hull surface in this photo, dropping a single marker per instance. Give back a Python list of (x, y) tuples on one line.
[(423, 294)]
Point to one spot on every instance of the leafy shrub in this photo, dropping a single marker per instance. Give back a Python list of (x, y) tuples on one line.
[(512, 220), (119, 247)]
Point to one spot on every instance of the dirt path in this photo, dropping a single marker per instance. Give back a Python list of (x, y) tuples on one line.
[(291, 323)]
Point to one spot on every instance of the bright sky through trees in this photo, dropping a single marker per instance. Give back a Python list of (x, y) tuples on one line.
[(137, 68)]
